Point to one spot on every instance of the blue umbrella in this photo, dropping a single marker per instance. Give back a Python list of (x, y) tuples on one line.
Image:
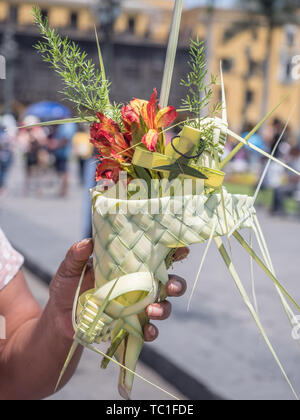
[(48, 111)]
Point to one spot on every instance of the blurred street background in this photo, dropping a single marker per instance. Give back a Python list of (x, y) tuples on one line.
[(45, 175)]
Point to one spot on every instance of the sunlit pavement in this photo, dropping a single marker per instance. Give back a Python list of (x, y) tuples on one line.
[(217, 341)]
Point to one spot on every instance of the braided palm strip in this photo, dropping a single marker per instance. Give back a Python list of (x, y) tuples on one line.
[(129, 243)]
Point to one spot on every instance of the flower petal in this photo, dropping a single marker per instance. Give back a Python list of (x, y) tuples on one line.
[(137, 105), (151, 110), (150, 140), (129, 116), (102, 118), (109, 140), (165, 117), (108, 169), (108, 124)]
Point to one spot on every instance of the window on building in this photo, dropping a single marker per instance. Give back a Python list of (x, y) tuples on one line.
[(131, 25), (290, 35), (227, 35), (285, 67), (249, 96), (147, 33), (254, 33), (227, 64), (219, 94), (288, 70), (74, 20), (254, 68), (44, 13)]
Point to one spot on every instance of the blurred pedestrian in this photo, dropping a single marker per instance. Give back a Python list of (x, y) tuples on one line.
[(7, 137), (291, 187), (276, 175), (254, 158), (239, 163), (6, 157), (34, 140), (82, 148), (271, 136), (8, 134), (60, 144), (277, 132)]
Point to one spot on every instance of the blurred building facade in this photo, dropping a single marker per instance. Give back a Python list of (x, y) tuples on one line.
[(140, 32), (243, 52), (139, 39)]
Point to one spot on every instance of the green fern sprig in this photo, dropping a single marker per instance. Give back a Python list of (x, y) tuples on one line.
[(199, 93), (84, 84)]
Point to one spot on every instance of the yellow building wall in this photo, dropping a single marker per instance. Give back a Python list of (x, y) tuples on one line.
[(199, 31), (278, 90), (121, 23), (25, 14), (159, 4), (159, 33), (85, 20), (59, 16), (160, 27), (142, 24), (3, 11)]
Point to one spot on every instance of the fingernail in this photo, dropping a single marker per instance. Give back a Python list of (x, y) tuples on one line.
[(176, 286), (152, 331), (83, 243), (155, 311)]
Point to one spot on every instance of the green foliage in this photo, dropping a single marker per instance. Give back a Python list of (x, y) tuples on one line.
[(207, 132), (199, 93), (84, 85), (115, 113)]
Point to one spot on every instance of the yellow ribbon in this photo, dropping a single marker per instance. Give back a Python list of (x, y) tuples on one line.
[(188, 140)]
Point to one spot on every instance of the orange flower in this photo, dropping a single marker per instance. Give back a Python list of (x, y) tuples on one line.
[(148, 117)]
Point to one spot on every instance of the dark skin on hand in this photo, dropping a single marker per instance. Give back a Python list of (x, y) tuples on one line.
[(38, 341)]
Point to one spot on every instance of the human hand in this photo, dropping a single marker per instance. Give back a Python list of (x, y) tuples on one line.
[(65, 282), (175, 287)]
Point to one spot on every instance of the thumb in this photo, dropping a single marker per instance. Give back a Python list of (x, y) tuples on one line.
[(76, 258)]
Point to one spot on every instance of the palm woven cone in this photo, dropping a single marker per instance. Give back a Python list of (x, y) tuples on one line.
[(130, 254)]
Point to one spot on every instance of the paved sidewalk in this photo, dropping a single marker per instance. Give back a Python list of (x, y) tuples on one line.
[(217, 342)]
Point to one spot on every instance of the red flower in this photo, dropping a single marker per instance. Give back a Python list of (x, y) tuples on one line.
[(108, 169), (129, 117), (107, 137)]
